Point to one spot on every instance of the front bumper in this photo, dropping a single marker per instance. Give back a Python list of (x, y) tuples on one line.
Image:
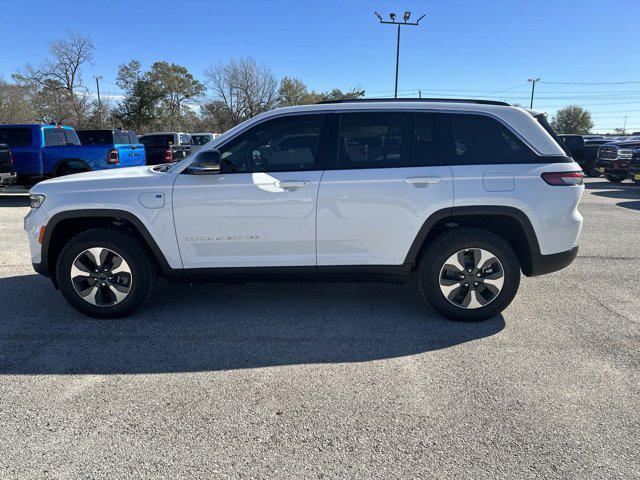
[(539, 264), (618, 168)]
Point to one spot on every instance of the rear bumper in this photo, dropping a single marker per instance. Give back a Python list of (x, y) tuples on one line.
[(539, 264)]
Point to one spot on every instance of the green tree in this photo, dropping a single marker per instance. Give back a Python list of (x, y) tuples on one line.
[(175, 85), (155, 98), (572, 119)]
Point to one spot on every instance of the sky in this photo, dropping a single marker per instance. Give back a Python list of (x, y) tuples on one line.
[(585, 52)]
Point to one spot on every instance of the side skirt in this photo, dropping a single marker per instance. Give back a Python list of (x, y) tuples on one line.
[(346, 273)]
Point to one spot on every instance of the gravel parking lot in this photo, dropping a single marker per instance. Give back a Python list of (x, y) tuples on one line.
[(330, 380)]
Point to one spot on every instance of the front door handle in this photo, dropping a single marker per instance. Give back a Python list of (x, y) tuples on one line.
[(422, 181), (293, 185)]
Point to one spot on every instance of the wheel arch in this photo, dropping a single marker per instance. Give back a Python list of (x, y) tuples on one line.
[(70, 161), (510, 223), (64, 225)]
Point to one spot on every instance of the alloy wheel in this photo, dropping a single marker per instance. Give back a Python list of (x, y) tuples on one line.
[(101, 277), (471, 278)]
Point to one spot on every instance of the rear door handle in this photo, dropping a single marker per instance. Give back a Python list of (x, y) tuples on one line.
[(422, 181), (293, 185)]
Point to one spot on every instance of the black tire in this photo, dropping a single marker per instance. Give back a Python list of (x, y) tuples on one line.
[(143, 271), (614, 178), (67, 169), (589, 170), (433, 259)]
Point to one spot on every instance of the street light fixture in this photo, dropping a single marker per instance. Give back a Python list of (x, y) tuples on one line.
[(406, 17), (533, 88)]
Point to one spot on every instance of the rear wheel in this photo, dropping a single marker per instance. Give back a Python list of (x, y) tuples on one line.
[(469, 274), (69, 168), (105, 273), (614, 178)]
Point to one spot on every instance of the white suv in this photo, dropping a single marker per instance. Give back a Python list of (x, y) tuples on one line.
[(466, 193)]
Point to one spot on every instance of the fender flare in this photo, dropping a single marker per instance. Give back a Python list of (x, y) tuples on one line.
[(103, 213), (452, 212)]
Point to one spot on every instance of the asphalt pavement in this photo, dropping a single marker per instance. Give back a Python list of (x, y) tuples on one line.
[(315, 380)]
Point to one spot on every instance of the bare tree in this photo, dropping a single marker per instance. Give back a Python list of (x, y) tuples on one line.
[(60, 75), (15, 106), (243, 88)]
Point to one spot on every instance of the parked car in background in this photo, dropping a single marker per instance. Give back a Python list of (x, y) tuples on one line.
[(200, 139), (614, 159), (7, 175), (634, 167), (45, 151), (166, 147), (118, 145), (584, 151)]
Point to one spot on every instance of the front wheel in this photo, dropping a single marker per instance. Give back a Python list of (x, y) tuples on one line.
[(590, 170), (614, 178), (105, 273), (469, 274)]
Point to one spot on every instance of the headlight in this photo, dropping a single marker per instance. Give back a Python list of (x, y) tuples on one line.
[(623, 153), (36, 200)]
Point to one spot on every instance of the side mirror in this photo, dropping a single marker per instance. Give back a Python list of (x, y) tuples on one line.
[(205, 163)]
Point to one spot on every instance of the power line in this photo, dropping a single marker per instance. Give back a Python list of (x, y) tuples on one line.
[(591, 83)]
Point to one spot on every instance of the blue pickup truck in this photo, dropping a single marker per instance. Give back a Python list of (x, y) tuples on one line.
[(45, 151)]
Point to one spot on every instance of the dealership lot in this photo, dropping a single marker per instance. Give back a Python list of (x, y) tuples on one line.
[(329, 380)]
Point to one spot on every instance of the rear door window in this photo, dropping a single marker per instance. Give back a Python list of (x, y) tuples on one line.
[(374, 140), (477, 139), (16, 136)]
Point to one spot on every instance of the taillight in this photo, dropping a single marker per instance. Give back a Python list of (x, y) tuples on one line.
[(563, 178), (112, 157), (168, 155)]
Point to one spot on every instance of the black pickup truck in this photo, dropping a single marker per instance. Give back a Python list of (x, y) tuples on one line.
[(584, 152), (7, 175), (166, 147)]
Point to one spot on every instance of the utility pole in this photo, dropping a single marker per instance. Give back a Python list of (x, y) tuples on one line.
[(533, 88), (98, 78), (624, 127), (406, 22)]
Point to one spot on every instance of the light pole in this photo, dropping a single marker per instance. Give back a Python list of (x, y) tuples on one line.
[(406, 22), (98, 78), (533, 88)]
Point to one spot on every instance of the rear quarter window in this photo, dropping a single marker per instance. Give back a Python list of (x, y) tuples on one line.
[(477, 139)]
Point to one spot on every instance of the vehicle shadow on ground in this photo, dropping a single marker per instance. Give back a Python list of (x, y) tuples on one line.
[(14, 201), (630, 205), (208, 327), (631, 193)]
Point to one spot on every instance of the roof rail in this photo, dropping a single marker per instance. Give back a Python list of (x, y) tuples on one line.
[(428, 100)]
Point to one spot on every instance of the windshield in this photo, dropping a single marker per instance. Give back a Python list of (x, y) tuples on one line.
[(201, 139)]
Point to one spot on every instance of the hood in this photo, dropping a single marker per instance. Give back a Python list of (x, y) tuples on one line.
[(112, 179)]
